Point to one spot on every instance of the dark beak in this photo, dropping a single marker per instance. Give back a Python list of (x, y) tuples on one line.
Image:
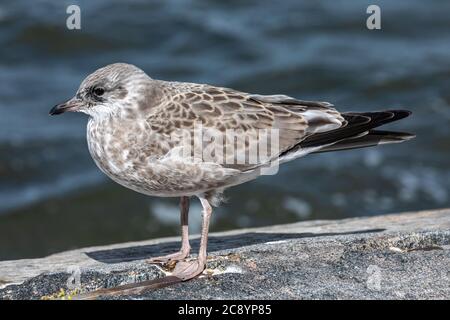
[(72, 105)]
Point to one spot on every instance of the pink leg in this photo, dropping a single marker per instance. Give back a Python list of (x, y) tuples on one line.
[(186, 270), (185, 247)]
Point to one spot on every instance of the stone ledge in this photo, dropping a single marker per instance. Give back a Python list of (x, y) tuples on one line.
[(399, 256)]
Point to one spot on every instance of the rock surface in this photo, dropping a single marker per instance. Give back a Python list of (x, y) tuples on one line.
[(401, 256)]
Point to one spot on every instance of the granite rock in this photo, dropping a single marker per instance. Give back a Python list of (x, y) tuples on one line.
[(397, 256)]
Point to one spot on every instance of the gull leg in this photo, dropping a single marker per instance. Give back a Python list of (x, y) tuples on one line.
[(185, 247), (186, 270)]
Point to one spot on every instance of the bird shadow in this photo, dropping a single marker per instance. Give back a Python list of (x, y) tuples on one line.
[(216, 243)]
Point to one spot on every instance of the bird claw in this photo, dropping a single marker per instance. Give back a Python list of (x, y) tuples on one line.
[(173, 257)]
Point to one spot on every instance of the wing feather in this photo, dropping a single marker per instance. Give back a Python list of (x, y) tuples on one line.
[(225, 109)]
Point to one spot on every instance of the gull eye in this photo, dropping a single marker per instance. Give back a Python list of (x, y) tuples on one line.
[(99, 91)]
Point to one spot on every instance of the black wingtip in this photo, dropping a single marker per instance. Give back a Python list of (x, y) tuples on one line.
[(394, 135), (400, 114)]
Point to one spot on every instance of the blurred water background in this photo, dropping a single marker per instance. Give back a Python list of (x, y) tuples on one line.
[(53, 198)]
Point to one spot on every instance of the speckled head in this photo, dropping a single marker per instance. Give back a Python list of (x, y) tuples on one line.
[(108, 90)]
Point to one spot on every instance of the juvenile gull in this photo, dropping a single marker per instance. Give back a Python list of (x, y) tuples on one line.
[(137, 128)]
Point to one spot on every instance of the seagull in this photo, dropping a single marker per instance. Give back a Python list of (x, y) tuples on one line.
[(140, 134)]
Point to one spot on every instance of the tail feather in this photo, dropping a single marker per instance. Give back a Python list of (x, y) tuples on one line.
[(357, 123), (357, 132)]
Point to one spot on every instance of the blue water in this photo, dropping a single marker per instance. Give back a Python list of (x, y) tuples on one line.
[(52, 197)]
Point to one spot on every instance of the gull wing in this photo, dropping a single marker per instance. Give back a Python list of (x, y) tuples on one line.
[(246, 115)]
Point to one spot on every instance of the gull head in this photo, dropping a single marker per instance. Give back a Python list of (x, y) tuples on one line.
[(107, 91)]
